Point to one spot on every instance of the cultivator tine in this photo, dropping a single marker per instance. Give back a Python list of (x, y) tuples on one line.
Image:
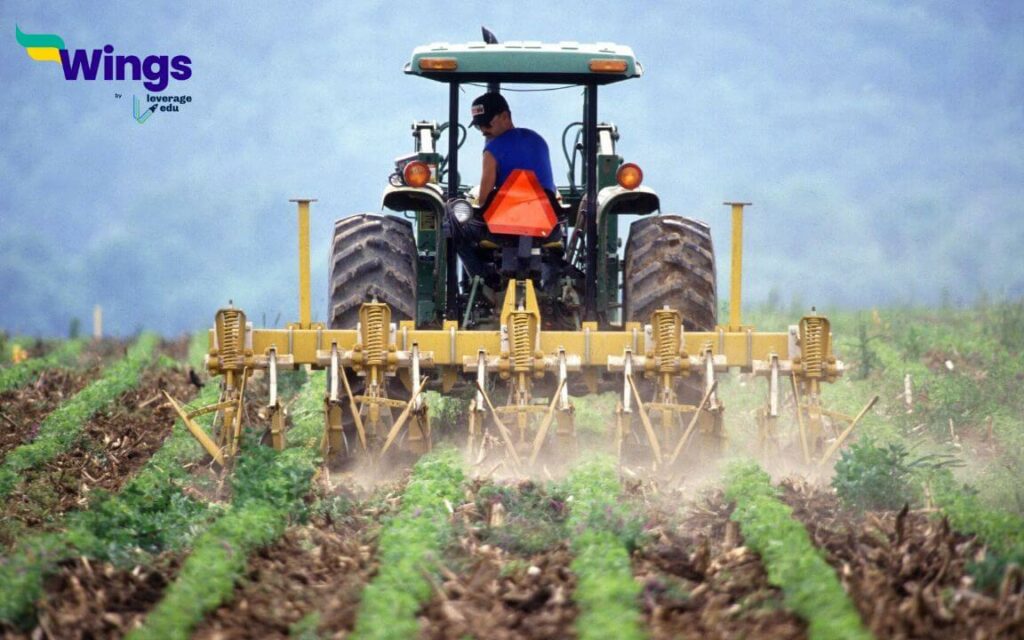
[(704, 402), (397, 426), (476, 408), (274, 410), (846, 432), (804, 446), (542, 432), (652, 437), (197, 431), (768, 416), (356, 413), (510, 446)]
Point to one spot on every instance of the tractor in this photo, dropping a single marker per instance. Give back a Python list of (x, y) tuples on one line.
[(523, 299)]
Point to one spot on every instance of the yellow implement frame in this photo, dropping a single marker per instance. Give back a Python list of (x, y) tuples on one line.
[(520, 354)]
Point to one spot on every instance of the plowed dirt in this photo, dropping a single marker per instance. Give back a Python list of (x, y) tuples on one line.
[(906, 571), (24, 408), (115, 443), (96, 600), (700, 582)]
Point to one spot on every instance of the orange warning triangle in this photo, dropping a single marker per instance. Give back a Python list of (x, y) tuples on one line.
[(521, 207)]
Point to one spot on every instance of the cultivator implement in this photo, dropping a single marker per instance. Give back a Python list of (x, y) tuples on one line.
[(449, 295), (532, 369)]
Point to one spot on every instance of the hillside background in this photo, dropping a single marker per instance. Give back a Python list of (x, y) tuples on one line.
[(882, 145)]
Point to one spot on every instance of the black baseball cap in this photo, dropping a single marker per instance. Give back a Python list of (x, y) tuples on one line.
[(486, 107)]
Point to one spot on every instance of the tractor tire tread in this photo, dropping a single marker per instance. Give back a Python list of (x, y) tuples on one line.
[(670, 260)]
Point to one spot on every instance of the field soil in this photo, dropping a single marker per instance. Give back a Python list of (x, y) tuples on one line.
[(906, 571), (24, 408), (97, 600), (115, 443), (314, 575), (701, 582)]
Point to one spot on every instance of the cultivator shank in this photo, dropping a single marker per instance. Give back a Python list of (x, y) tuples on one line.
[(535, 367)]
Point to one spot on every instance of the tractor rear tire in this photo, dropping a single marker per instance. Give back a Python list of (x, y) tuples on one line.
[(670, 260), (372, 256)]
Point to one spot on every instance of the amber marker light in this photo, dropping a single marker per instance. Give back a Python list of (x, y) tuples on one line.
[(608, 66), (416, 174), (438, 64), (629, 176)]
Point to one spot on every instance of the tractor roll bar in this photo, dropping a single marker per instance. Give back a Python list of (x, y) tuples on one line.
[(590, 154), (451, 305)]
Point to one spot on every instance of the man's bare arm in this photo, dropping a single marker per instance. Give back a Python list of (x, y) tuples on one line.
[(488, 176)]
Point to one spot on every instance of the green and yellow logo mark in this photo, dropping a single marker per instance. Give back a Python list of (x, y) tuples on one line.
[(44, 47)]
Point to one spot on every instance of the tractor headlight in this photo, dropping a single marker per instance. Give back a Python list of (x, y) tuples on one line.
[(461, 209)]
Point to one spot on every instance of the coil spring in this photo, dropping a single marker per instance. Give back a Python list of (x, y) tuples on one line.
[(231, 339), (666, 342), (374, 336), (522, 351), (813, 346)]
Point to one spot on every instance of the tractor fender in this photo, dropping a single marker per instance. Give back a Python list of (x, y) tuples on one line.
[(426, 198), (617, 200)]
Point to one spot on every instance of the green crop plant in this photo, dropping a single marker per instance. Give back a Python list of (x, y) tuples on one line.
[(603, 533), (871, 476), (150, 514), (409, 547), (22, 373), (535, 518), (62, 428), (198, 346), (809, 584), (1001, 531), (269, 488)]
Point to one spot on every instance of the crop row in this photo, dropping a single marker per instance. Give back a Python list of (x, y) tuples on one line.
[(792, 562), (409, 543), (59, 431), (603, 533), (150, 514), (268, 490), (1002, 531), (24, 372)]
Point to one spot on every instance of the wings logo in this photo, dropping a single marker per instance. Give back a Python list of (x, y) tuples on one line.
[(155, 71)]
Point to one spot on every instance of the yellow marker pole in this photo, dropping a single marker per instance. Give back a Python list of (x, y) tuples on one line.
[(305, 320), (736, 275), (97, 322)]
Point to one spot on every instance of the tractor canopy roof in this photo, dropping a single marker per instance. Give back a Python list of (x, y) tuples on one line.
[(525, 62)]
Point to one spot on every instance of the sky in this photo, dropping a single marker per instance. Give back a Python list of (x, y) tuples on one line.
[(882, 145)]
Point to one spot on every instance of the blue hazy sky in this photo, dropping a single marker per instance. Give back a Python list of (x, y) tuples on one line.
[(882, 145)]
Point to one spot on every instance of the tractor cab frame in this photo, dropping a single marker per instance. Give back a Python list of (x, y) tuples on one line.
[(593, 244)]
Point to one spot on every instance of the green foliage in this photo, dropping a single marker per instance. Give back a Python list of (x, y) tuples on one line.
[(535, 521), (1005, 324), (150, 514), (198, 346), (208, 576), (24, 372), (867, 360), (269, 488), (408, 544), (791, 560), (62, 428), (22, 572), (595, 414), (603, 531), (1001, 531), (870, 476), (305, 628), (447, 412)]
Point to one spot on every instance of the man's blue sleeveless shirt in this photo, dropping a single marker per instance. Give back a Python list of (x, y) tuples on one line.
[(520, 148)]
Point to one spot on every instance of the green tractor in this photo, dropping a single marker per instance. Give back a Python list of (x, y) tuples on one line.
[(526, 295), (411, 260)]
